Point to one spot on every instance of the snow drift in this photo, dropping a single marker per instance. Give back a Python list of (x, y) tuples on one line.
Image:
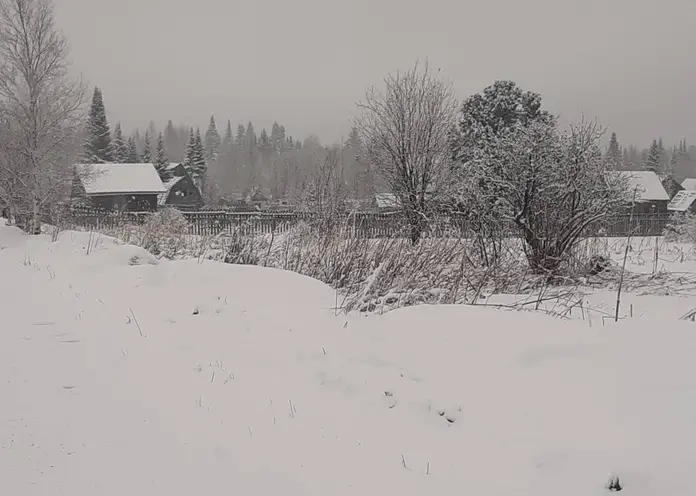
[(123, 374)]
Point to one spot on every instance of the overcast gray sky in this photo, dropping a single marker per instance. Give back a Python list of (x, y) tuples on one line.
[(629, 63)]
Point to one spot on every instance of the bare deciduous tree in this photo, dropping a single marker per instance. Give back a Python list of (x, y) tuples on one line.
[(326, 191), (405, 130), (40, 111)]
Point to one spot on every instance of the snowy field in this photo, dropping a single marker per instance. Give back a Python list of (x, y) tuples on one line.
[(124, 374)]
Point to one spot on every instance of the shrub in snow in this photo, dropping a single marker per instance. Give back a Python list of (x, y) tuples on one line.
[(243, 249), (519, 171), (598, 264), (164, 233), (681, 228)]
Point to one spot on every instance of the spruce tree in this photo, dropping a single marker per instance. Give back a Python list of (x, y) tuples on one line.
[(664, 157), (265, 141), (199, 163), (189, 153), (654, 157), (212, 141), (278, 137), (250, 136), (98, 145), (614, 157), (194, 160), (119, 148), (147, 149), (229, 137), (133, 157), (161, 160), (239, 141)]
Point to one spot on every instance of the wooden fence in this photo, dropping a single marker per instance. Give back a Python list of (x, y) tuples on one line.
[(373, 225)]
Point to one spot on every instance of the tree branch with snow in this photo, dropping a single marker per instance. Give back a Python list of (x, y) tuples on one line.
[(41, 117)]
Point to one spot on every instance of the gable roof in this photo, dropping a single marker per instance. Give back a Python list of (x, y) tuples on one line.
[(113, 179), (176, 169), (162, 197), (689, 184), (647, 184)]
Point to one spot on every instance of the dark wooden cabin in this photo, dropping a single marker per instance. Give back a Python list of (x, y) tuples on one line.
[(181, 193)]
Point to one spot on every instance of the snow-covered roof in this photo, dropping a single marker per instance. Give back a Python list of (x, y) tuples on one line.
[(682, 201), (386, 200), (162, 197), (112, 179), (172, 165), (647, 184), (689, 184)]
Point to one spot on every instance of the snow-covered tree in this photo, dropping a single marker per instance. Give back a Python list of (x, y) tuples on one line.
[(405, 132), (161, 161), (239, 138), (212, 142), (484, 118), (654, 159), (198, 164), (551, 186), (250, 137), (98, 143), (133, 157), (325, 193), (119, 148), (147, 148), (228, 140), (614, 155), (41, 113), (278, 140), (264, 141), (190, 152)]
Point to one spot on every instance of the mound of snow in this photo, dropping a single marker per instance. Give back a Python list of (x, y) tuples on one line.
[(182, 378)]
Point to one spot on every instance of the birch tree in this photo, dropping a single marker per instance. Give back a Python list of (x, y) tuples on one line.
[(405, 130), (40, 111)]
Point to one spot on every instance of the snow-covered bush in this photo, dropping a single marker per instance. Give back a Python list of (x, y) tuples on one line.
[(519, 170), (164, 234), (681, 228)]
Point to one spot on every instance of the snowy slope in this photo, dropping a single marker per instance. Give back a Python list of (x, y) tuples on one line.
[(127, 375)]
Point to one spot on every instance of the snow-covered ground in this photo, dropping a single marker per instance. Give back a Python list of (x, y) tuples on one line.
[(124, 374)]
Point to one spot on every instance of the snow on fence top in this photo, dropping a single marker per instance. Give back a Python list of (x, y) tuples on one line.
[(689, 184), (647, 184), (113, 179)]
